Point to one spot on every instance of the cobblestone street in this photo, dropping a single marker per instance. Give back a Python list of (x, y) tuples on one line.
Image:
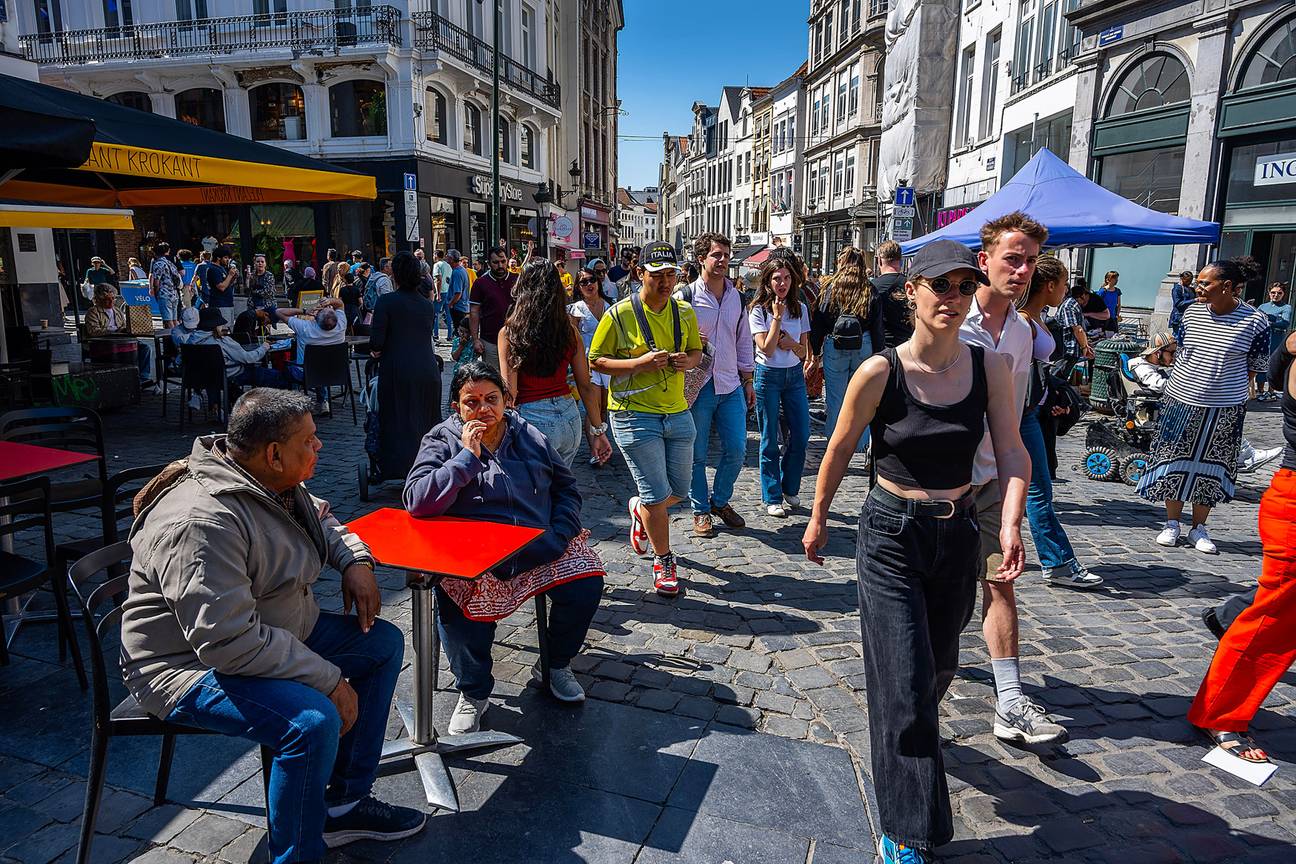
[(758, 665)]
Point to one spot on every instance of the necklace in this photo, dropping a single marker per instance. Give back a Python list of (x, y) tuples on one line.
[(930, 371)]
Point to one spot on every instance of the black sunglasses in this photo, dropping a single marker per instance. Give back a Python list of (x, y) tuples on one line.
[(587, 281), (940, 286)]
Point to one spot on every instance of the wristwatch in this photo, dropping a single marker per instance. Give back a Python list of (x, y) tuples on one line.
[(598, 430)]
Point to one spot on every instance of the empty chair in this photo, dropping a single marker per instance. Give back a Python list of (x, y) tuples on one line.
[(77, 429), (202, 368), (329, 366)]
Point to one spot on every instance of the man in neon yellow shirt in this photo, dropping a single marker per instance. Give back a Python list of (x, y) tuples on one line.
[(650, 416), (560, 261)]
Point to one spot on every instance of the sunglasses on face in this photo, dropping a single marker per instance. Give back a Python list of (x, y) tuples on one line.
[(940, 286), (587, 281)]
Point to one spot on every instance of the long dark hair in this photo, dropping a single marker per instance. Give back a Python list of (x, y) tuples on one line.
[(765, 295), (405, 271), (540, 334)]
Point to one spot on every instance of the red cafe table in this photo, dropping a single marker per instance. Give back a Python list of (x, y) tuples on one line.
[(429, 550)]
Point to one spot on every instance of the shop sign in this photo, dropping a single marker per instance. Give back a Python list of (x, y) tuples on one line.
[(593, 214), (481, 187), (592, 240), (562, 228), (1275, 170), (952, 214)]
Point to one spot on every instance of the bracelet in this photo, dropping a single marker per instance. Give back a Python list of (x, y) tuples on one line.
[(598, 430)]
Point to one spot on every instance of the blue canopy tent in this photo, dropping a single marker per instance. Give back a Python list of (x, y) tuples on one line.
[(1076, 211)]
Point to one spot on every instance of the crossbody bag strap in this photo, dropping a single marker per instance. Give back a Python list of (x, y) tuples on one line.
[(679, 331)]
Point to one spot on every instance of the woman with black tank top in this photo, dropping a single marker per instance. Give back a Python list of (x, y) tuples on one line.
[(926, 402)]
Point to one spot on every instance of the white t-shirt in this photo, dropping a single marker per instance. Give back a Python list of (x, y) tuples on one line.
[(760, 322), (309, 332), (442, 269)]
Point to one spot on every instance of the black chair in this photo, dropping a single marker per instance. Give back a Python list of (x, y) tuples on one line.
[(202, 368), (25, 504), (329, 366), (167, 373), (360, 354), (126, 718), (78, 429)]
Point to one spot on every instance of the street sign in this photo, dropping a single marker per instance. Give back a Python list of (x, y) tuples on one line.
[(904, 211), (902, 229), (904, 196), (411, 182), (411, 213), (1111, 35)]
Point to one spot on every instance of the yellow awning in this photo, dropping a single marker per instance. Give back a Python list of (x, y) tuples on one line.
[(45, 216)]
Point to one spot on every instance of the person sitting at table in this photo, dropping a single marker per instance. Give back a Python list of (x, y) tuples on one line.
[(187, 332), (485, 462), (221, 630), (107, 318), (242, 363), (251, 325), (326, 324)]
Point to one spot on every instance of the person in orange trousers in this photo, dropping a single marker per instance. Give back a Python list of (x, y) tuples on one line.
[(1261, 644)]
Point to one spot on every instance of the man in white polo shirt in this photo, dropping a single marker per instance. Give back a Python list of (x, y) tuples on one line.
[(1010, 246)]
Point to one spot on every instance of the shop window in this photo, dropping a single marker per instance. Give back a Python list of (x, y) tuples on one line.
[(1155, 81), (528, 147), (202, 106), (1275, 58), (358, 109), (434, 113), (472, 139), (278, 112), (133, 99)]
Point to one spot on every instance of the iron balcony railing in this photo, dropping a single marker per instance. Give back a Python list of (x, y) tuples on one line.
[(1022, 79), (318, 30), (432, 31)]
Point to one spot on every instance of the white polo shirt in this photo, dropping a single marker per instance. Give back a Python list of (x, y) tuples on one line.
[(1017, 346)]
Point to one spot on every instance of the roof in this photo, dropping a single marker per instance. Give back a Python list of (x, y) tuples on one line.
[(733, 96), (623, 197), (651, 207)]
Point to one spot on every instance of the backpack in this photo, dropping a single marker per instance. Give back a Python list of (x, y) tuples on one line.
[(371, 293), (847, 332)]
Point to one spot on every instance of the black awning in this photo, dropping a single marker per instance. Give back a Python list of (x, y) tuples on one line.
[(40, 134)]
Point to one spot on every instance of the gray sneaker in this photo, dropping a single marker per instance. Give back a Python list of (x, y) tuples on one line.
[(467, 715), (1028, 723), (562, 684)]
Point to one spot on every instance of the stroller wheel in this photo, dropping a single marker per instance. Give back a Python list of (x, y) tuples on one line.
[(363, 477), (1134, 467), (1099, 463)]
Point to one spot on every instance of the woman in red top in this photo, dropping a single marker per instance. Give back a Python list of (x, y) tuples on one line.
[(539, 345)]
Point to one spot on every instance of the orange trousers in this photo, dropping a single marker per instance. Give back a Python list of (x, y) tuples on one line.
[(1261, 644)]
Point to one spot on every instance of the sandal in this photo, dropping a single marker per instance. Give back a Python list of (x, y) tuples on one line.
[(1235, 744)]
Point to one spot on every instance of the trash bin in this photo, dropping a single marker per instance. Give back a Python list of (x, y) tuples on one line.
[(1106, 357)]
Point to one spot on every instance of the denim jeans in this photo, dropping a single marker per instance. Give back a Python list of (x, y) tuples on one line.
[(659, 452), (1051, 542), (776, 388), (559, 420), (313, 768), (467, 643), (838, 367), (728, 413), (441, 312), (917, 590)]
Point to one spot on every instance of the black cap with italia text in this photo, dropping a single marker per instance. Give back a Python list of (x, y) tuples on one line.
[(945, 256), (659, 256)]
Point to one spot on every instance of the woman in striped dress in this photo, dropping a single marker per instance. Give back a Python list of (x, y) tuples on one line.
[(1195, 456)]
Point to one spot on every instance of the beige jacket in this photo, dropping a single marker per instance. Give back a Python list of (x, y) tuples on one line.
[(96, 319), (222, 580)]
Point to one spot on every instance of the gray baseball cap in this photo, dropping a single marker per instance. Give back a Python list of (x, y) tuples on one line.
[(945, 256)]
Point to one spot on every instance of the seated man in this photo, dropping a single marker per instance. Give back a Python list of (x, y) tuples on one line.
[(326, 324), (108, 317), (221, 629), (187, 332)]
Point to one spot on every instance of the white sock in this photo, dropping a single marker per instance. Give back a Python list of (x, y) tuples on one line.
[(1007, 675), (341, 809)]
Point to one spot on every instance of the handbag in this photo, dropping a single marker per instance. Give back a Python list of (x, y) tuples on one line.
[(139, 320)]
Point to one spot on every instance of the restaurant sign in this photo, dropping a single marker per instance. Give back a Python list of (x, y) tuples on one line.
[(1275, 170)]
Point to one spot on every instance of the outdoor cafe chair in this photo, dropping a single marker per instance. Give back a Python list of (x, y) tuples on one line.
[(125, 718), (360, 354), (202, 368), (72, 428), (329, 366), (167, 372)]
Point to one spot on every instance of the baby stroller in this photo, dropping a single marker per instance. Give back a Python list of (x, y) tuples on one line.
[(1119, 447)]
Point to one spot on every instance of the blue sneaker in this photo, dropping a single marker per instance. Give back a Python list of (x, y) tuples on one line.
[(892, 852), (371, 819)]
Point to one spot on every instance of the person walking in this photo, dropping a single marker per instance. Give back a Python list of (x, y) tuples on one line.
[(587, 312), (645, 344), (888, 293), (539, 346), (1057, 558), (1195, 455), (489, 301), (441, 271), (847, 330), (1279, 313), (780, 324), (917, 560), (164, 282), (261, 287), (1182, 295), (328, 273), (1110, 294), (728, 394), (457, 304)]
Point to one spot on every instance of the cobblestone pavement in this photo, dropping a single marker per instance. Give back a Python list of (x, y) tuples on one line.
[(765, 640)]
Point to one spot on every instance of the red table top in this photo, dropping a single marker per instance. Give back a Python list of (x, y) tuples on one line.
[(445, 545), (27, 460)]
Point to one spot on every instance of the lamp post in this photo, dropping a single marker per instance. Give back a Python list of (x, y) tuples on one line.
[(496, 26)]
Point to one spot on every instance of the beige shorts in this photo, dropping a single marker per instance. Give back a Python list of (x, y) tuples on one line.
[(989, 511)]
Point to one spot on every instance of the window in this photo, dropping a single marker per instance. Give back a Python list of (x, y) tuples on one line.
[(278, 112), (850, 173), (879, 88), (190, 10), (962, 119), (434, 117), (528, 37), (202, 106), (990, 85), (814, 184), (839, 167), (1274, 59), (1022, 50), (1047, 39), (814, 114), (843, 18), (842, 85), (280, 10), (505, 142), (854, 92), (472, 137), (132, 99), (1154, 82), (818, 37), (49, 16), (473, 17), (528, 147), (1070, 35), (828, 32), (117, 14), (358, 109)]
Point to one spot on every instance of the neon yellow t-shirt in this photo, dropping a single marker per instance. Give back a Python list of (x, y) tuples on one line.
[(660, 391)]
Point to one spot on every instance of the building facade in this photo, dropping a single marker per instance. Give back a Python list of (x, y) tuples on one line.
[(674, 183), (787, 122), (762, 118), (636, 217)]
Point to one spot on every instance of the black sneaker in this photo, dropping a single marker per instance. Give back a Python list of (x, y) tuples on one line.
[(371, 819), (1212, 622)]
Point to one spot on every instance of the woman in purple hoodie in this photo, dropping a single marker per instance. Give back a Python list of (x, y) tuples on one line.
[(485, 462)]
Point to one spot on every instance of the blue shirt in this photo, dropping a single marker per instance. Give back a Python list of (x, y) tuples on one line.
[(459, 283), (213, 275), (1280, 316)]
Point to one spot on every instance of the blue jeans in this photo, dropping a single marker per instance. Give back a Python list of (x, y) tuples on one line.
[(658, 450), (441, 312), (838, 367), (1050, 539), (297, 372), (784, 389), (313, 768), (728, 413), (467, 643), (559, 420)]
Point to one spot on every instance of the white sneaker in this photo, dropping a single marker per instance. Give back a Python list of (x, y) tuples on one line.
[(1201, 541), (1256, 458), (1072, 575), (776, 510), (792, 501), (1169, 535), (467, 715)]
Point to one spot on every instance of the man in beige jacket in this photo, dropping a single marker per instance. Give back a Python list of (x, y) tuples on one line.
[(221, 629)]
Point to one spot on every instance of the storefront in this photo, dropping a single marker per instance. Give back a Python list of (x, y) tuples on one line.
[(595, 229)]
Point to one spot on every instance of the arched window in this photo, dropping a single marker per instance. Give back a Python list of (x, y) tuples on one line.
[(278, 112), (505, 141), (472, 139), (202, 106), (133, 99), (358, 109), (1155, 81), (434, 117), (1274, 59), (528, 147)]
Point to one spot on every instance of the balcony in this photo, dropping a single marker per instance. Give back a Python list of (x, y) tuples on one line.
[(319, 31), (433, 32), (1027, 78)]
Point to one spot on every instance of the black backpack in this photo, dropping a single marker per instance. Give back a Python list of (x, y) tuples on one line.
[(847, 331)]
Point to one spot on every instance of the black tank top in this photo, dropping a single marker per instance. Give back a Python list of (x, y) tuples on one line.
[(928, 446)]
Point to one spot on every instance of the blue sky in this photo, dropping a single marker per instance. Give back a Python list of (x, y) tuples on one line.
[(676, 52)]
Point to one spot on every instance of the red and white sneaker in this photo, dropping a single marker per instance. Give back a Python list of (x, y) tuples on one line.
[(664, 578), (638, 533)]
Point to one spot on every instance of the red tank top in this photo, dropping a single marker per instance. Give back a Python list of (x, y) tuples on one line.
[(533, 388)]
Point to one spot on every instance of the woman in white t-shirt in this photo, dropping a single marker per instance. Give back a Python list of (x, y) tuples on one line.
[(780, 326)]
